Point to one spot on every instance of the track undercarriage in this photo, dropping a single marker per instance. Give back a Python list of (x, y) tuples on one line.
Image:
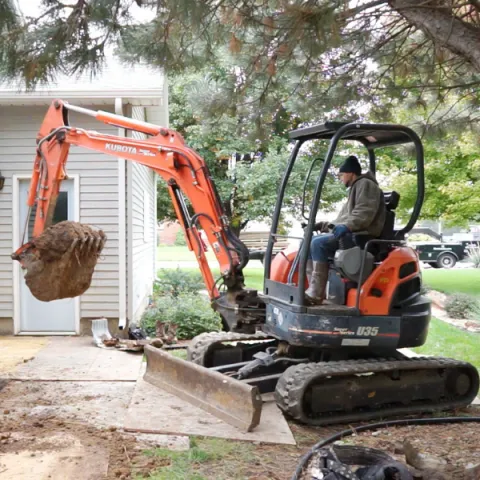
[(316, 387)]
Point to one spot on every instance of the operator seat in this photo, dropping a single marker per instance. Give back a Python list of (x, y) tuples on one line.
[(391, 203)]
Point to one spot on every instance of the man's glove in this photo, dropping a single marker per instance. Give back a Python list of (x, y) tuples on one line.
[(321, 227), (340, 230)]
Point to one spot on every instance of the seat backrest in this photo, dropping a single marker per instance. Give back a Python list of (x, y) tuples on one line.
[(391, 203), (391, 200)]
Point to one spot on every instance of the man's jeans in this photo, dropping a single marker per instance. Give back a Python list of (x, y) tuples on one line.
[(323, 247)]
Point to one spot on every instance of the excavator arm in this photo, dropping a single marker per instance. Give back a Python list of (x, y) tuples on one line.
[(164, 151), (60, 258)]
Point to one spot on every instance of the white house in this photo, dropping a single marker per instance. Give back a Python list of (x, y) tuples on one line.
[(110, 193)]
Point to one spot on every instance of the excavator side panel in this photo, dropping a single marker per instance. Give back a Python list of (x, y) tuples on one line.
[(231, 400)]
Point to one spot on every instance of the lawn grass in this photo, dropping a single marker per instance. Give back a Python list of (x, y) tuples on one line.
[(180, 353), (167, 253), (453, 281), (253, 276), (205, 454), (448, 341)]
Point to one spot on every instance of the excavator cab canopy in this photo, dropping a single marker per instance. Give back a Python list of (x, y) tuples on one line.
[(373, 137)]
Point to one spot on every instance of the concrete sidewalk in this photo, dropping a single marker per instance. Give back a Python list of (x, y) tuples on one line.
[(71, 378)]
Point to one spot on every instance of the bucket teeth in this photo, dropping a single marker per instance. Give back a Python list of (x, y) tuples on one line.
[(60, 262)]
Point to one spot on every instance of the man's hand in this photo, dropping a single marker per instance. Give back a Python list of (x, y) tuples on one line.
[(340, 230), (321, 227)]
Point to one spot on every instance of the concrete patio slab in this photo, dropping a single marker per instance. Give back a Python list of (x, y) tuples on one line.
[(153, 410), (99, 404), (77, 358)]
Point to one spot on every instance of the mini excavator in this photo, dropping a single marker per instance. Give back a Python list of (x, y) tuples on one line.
[(335, 363)]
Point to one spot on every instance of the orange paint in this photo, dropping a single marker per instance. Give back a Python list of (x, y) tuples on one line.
[(165, 152), (385, 278)]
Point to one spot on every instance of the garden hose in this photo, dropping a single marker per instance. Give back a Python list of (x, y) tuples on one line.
[(373, 426)]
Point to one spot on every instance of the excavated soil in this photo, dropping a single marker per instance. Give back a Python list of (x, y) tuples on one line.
[(121, 456), (61, 261)]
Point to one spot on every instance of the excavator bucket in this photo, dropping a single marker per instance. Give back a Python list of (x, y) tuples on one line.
[(59, 263), (231, 400)]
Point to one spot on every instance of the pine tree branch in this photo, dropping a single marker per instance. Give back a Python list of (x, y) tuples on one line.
[(475, 4), (459, 37), (432, 87), (352, 12)]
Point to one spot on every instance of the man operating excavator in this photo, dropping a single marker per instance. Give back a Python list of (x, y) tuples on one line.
[(363, 212)]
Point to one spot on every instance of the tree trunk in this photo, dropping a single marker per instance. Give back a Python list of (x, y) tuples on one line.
[(442, 27), (238, 227)]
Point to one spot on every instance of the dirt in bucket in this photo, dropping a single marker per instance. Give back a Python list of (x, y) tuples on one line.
[(61, 261)]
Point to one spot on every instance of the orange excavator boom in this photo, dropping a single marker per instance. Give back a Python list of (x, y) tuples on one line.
[(60, 259), (165, 152)]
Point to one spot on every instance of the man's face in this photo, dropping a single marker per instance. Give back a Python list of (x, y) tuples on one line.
[(346, 178)]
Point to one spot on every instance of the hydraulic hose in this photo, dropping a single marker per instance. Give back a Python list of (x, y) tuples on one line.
[(392, 423)]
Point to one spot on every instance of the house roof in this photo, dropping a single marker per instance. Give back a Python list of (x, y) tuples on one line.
[(138, 85)]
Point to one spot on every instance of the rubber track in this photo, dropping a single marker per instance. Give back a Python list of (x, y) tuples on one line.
[(291, 386), (201, 344)]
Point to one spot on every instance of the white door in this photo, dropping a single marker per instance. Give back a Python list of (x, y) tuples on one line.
[(59, 315)]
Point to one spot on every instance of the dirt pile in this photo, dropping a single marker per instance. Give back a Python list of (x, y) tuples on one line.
[(60, 262), (72, 447)]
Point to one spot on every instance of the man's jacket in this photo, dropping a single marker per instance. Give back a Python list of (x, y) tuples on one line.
[(365, 207)]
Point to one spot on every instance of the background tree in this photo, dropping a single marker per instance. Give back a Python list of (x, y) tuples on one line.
[(217, 133), (361, 48)]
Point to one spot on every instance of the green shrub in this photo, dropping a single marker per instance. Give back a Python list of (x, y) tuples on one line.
[(180, 240), (474, 255), (191, 312), (461, 305), (176, 281), (424, 289)]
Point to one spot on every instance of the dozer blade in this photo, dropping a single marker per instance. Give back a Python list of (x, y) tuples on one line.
[(229, 399)]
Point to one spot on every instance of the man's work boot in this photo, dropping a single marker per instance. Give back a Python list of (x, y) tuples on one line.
[(315, 294), (308, 272)]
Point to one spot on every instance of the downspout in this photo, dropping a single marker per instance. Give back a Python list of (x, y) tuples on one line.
[(122, 235)]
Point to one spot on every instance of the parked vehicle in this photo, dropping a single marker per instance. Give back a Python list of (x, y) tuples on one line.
[(440, 253)]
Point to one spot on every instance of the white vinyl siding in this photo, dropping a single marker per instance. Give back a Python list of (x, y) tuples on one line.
[(158, 116), (98, 175), (141, 204)]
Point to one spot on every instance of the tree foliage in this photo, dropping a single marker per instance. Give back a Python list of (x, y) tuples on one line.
[(249, 70), (249, 190), (452, 179), (357, 50)]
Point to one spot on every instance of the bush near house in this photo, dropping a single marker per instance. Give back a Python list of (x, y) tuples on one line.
[(461, 305), (191, 313), (474, 255), (176, 281), (177, 301)]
